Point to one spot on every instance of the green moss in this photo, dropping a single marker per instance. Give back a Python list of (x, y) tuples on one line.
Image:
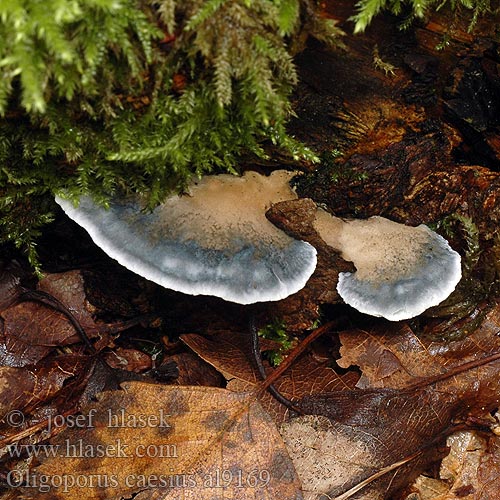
[(105, 96), (415, 9), (276, 331)]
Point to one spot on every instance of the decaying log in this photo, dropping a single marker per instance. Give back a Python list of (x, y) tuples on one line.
[(417, 129)]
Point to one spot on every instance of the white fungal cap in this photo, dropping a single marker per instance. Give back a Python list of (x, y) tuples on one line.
[(400, 270), (214, 241)]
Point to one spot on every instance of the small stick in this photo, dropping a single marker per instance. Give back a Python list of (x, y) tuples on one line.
[(453, 371), (51, 301), (260, 366)]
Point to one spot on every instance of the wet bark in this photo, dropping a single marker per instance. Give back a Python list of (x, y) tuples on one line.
[(415, 132)]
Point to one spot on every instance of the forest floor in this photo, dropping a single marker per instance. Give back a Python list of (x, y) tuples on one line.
[(402, 410)]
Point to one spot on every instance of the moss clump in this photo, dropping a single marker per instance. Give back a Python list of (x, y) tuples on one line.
[(276, 331), (100, 96), (418, 9)]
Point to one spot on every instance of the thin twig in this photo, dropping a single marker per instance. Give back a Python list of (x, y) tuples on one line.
[(260, 366), (56, 304), (382, 472), (454, 371)]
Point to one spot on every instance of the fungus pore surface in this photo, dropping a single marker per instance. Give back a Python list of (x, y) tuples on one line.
[(215, 240)]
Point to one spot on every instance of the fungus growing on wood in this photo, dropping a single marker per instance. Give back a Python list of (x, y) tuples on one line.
[(400, 270), (214, 241)]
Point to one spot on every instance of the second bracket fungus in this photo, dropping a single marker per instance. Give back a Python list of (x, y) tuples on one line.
[(214, 241), (400, 270)]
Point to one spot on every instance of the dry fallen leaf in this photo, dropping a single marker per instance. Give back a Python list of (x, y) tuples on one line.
[(128, 359), (471, 471), (489, 471), (30, 332), (460, 467), (325, 459), (16, 389), (31, 329), (228, 351), (408, 402), (23, 389), (384, 429), (230, 354), (166, 442), (396, 357), (69, 288), (192, 370)]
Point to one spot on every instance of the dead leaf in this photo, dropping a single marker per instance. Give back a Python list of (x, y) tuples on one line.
[(471, 471), (167, 442), (392, 355), (69, 288), (24, 389), (10, 283), (408, 403), (384, 429), (427, 488), (194, 371), (128, 359), (460, 467), (489, 470), (32, 396), (230, 354), (324, 458), (16, 389), (30, 330)]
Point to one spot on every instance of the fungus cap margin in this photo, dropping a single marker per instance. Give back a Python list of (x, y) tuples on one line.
[(243, 259)]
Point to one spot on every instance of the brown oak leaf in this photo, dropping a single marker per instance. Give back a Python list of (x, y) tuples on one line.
[(166, 442)]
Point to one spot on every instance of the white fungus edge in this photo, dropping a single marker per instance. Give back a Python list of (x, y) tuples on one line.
[(425, 301), (151, 273)]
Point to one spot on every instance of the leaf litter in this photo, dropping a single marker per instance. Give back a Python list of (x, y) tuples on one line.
[(362, 437), (379, 431), (169, 442), (399, 404)]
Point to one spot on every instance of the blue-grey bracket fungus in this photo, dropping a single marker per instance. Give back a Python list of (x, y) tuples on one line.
[(214, 241), (400, 270)]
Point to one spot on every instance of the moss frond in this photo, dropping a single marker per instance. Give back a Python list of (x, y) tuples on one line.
[(368, 9), (105, 96)]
